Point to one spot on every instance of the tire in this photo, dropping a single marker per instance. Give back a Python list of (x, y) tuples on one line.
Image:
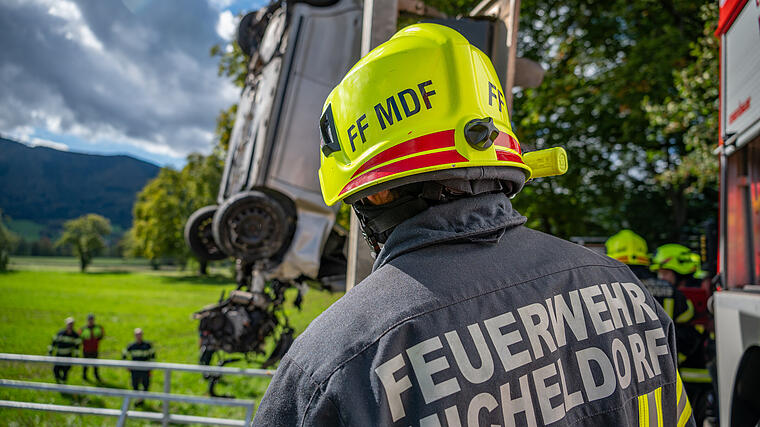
[(255, 225), (200, 237), (745, 401), (250, 31)]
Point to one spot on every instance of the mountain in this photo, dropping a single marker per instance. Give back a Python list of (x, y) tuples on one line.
[(49, 186)]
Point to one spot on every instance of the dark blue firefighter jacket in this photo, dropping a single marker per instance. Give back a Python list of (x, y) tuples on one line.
[(471, 319)]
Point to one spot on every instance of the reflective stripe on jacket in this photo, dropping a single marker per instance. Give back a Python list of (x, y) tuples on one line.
[(140, 352), (91, 337), (469, 318), (65, 344)]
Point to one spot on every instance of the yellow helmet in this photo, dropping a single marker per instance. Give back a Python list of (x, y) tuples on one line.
[(678, 258), (628, 248), (425, 101)]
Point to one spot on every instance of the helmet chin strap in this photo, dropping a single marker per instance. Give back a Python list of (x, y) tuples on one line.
[(378, 222)]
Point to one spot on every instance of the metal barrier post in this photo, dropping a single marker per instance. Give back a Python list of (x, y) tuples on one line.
[(249, 416), (167, 390), (123, 416)]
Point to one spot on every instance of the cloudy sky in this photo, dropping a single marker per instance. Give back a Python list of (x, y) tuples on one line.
[(115, 76)]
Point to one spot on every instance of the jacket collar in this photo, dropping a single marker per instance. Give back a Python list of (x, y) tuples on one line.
[(481, 218)]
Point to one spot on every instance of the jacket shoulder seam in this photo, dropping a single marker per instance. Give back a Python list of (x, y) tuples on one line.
[(317, 388)]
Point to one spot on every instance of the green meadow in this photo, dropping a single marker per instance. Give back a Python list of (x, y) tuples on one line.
[(39, 294)]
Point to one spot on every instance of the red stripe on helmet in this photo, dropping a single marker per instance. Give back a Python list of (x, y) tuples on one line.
[(417, 162), (508, 157), (507, 141), (422, 143)]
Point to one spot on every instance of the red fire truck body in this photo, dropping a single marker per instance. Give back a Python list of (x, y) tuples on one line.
[(739, 32), (737, 308)]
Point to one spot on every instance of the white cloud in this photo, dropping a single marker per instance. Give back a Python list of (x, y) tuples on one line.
[(226, 25), (75, 28), (66, 10), (96, 71), (39, 142), (23, 135)]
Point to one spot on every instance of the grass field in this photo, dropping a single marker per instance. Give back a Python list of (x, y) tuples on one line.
[(34, 301)]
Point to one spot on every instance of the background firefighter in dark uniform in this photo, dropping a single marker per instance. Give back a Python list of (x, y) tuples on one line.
[(468, 318), (680, 267), (91, 335), (631, 249), (65, 344), (139, 351)]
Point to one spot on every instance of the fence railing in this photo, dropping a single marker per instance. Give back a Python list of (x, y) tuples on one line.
[(165, 416)]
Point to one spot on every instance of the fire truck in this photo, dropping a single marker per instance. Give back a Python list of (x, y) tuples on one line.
[(737, 306)]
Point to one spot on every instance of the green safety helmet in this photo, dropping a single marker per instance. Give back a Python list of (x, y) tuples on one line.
[(678, 258), (628, 248)]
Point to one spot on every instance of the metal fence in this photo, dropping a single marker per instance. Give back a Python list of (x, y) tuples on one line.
[(165, 416)]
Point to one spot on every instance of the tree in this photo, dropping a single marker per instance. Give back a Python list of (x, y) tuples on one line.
[(86, 235), (233, 63), (8, 241), (165, 203), (158, 218), (607, 63), (686, 126), (224, 123)]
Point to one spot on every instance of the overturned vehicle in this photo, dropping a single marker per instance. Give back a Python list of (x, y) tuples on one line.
[(270, 215)]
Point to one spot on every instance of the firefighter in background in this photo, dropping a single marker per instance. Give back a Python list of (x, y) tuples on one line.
[(468, 318), (65, 344), (631, 249), (139, 351), (91, 336), (678, 265)]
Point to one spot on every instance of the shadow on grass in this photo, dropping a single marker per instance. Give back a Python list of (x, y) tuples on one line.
[(192, 279), (84, 400), (103, 272), (93, 401), (10, 272)]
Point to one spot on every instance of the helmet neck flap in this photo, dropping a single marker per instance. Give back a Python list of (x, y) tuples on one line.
[(379, 221)]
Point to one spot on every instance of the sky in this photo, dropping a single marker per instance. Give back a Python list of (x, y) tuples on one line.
[(116, 76)]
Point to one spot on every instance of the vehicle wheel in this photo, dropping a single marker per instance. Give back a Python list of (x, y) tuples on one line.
[(251, 29), (255, 225), (745, 401), (200, 237)]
